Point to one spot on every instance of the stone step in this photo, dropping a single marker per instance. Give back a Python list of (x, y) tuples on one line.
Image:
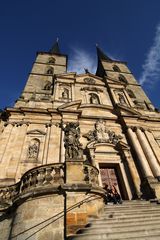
[(132, 202), (129, 215), (121, 206), (151, 237), (125, 223), (116, 211), (116, 229), (126, 220), (153, 234), (131, 220)]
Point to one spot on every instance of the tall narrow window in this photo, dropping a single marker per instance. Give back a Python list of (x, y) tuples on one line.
[(50, 71), (48, 85), (94, 99), (116, 68), (122, 78), (131, 93), (51, 60)]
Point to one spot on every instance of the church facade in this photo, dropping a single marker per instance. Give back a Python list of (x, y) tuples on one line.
[(66, 136)]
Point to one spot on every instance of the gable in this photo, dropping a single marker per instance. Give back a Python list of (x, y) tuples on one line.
[(71, 106), (128, 111), (89, 79), (36, 132)]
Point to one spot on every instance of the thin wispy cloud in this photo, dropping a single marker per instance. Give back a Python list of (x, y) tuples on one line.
[(80, 59), (151, 66)]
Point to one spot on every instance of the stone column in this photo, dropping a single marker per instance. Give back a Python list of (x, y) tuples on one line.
[(133, 172), (153, 143), (146, 171), (148, 153)]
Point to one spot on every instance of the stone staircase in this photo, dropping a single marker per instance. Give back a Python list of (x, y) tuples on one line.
[(131, 220)]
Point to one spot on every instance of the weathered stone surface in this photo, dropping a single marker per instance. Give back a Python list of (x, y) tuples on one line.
[(95, 123)]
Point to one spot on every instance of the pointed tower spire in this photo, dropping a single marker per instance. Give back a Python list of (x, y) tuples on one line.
[(101, 55), (55, 48)]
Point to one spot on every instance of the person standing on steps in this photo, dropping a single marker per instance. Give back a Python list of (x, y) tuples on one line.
[(107, 194), (115, 196)]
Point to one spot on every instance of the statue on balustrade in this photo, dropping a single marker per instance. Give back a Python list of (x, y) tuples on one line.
[(73, 147)]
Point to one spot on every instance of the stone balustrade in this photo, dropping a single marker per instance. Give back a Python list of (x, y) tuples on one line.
[(91, 175), (42, 179), (44, 176)]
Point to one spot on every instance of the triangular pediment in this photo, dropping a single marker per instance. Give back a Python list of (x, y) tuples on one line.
[(36, 132), (69, 75), (128, 111), (72, 106), (85, 76), (123, 145)]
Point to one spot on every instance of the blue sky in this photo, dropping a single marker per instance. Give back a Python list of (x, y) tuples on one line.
[(126, 30)]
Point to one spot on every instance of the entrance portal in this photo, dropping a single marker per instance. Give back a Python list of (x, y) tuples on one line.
[(111, 176)]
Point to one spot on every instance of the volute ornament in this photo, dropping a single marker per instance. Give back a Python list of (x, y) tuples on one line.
[(89, 80)]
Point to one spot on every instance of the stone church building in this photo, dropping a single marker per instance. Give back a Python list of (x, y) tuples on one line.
[(66, 136)]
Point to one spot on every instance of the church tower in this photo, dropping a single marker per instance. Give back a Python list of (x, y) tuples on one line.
[(67, 135)]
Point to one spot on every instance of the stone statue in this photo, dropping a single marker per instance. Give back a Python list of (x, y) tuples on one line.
[(94, 99), (65, 94), (121, 99), (33, 150), (101, 131), (71, 141)]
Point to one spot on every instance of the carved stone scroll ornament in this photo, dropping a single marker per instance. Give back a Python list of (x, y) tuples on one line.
[(73, 147), (102, 134), (89, 80)]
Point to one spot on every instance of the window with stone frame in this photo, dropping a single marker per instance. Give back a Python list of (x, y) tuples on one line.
[(130, 93), (122, 79), (116, 68), (51, 60), (48, 85), (50, 71)]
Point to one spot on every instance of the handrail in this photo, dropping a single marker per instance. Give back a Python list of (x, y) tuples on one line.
[(59, 215)]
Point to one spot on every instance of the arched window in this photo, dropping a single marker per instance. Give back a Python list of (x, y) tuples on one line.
[(94, 99), (116, 68), (131, 93), (33, 149), (48, 85), (51, 60), (50, 71), (65, 93), (122, 78)]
